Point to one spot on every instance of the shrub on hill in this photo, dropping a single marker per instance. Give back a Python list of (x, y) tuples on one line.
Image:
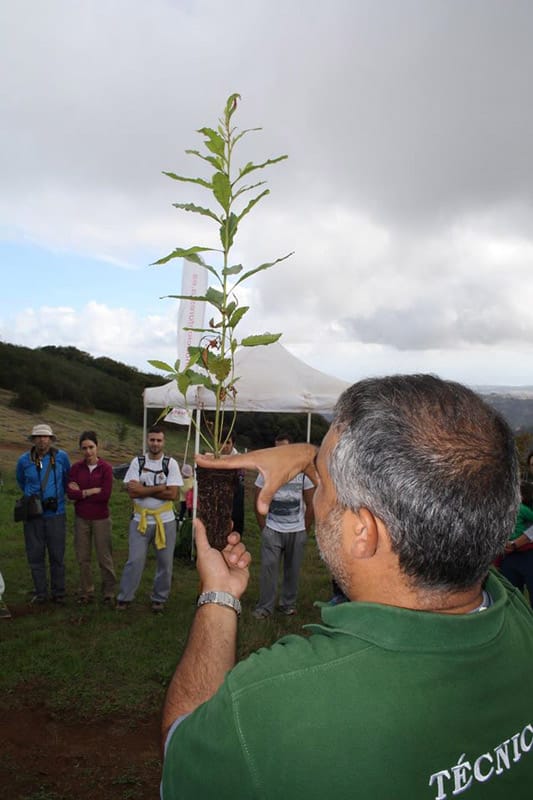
[(30, 398)]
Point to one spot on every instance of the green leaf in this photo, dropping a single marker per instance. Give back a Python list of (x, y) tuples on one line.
[(200, 330), (190, 253), (232, 270), (216, 162), (222, 189), (243, 133), (264, 338), (196, 379), (218, 366), (252, 203), (215, 297), (231, 105), (177, 365), (250, 167), (183, 382), (248, 188), (201, 298), (261, 267), (162, 365), (230, 308), (195, 354), (228, 230), (213, 141), (206, 212), (183, 179), (239, 314)]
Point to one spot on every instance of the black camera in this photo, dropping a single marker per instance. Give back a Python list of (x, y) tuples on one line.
[(50, 504)]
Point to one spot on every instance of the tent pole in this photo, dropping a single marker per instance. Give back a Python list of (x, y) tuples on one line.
[(308, 427), (145, 425), (195, 496), (187, 443)]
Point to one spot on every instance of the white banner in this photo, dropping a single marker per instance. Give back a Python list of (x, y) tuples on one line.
[(179, 416), (191, 313)]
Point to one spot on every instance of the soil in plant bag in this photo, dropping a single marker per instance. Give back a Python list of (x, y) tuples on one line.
[(215, 501)]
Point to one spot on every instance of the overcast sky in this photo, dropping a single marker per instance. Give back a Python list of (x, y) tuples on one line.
[(407, 196)]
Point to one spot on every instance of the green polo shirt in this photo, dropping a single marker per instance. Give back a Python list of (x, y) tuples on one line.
[(378, 703)]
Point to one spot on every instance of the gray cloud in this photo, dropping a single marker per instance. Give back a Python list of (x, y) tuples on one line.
[(408, 192)]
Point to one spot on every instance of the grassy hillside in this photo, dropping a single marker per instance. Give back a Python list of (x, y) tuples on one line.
[(119, 439)]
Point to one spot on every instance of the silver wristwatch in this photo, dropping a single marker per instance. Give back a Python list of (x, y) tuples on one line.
[(221, 599)]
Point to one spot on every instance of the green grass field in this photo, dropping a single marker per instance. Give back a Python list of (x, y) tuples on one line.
[(89, 661)]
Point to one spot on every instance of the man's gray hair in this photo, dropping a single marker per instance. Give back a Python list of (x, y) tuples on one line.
[(437, 465)]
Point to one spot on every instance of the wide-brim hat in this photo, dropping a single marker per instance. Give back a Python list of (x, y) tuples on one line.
[(42, 430)]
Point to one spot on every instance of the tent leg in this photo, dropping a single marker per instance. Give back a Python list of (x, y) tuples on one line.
[(195, 496), (145, 427), (308, 427)]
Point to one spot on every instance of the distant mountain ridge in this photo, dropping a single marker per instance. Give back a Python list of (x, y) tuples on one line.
[(522, 392), (515, 403)]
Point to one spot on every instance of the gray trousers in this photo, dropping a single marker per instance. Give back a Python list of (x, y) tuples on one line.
[(274, 547), (41, 535), (133, 570)]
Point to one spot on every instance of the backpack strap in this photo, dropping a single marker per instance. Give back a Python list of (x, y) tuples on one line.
[(164, 464)]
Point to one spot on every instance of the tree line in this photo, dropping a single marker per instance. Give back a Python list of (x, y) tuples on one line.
[(70, 377)]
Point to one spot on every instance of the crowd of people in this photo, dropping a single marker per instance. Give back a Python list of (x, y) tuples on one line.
[(48, 480), (162, 497)]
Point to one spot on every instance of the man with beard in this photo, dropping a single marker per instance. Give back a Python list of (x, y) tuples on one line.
[(42, 472), (414, 688), (152, 482)]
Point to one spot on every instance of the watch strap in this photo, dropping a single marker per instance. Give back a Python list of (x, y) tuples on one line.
[(220, 599)]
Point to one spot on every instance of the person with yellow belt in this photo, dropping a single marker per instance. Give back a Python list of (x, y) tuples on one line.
[(152, 482)]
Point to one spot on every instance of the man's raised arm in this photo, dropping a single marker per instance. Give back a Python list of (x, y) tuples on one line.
[(277, 465), (211, 648)]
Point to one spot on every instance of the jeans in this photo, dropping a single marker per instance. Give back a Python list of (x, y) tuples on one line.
[(274, 547), (133, 570), (42, 535)]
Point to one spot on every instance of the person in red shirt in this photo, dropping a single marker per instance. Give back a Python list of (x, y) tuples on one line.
[(90, 482)]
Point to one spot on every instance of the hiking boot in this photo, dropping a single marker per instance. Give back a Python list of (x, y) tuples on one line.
[(122, 605), (5, 613), (85, 599), (59, 600), (38, 600), (260, 613), (158, 608), (289, 611)]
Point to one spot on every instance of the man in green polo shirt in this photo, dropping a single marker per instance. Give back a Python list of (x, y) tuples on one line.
[(417, 688)]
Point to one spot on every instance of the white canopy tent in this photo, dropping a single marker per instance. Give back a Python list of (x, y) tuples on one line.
[(270, 379)]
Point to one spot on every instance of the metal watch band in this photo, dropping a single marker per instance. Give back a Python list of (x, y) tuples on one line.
[(220, 599)]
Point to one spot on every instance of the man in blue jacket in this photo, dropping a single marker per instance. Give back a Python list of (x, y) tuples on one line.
[(42, 471)]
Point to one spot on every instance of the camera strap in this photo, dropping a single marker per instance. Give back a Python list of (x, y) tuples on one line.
[(43, 482)]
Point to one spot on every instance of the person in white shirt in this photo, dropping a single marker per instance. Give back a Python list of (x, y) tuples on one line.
[(152, 482)]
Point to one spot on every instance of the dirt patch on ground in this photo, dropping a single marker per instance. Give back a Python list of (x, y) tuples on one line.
[(43, 757)]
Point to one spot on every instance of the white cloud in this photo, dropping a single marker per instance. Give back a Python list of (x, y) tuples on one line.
[(99, 330), (406, 197)]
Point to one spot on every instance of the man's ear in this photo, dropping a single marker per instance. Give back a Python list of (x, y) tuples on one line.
[(359, 533)]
